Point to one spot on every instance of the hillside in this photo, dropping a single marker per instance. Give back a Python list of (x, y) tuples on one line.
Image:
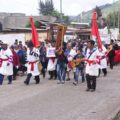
[(106, 9)]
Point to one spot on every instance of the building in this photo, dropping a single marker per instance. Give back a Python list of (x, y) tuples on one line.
[(10, 21)]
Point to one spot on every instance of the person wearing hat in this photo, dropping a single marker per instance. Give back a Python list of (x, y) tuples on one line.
[(6, 63), (32, 63)]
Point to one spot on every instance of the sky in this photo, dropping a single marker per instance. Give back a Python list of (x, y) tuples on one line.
[(30, 7)]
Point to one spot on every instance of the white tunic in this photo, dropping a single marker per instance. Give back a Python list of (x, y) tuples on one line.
[(52, 64), (6, 59), (33, 59), (92, 69), (103, 61)]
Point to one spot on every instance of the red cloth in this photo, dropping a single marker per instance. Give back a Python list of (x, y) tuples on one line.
[(34, 34), (1, 61), (32, 65), (117, 56), (95, 31), (16, 61)]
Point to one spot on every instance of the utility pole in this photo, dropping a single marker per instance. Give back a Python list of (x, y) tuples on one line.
[(61, 17), (119, 17), (119, 20), (114, 13)]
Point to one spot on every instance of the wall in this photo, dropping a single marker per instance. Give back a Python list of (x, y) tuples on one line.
[(10, 38)]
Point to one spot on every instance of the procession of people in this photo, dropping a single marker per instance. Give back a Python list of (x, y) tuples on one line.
[(80, 60)]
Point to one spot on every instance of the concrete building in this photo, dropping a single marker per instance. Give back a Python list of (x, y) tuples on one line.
[(9, 21)]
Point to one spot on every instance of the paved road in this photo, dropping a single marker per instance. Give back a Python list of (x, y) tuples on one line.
[(50, 101)]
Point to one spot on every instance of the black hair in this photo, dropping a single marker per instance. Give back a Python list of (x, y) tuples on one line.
[(92, 42), (30, 44)]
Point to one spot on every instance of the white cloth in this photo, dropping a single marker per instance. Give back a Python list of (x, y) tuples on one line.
[(103, 62), (33, 58), (92, 69), (51, 64), (72, 53), (7, 65)]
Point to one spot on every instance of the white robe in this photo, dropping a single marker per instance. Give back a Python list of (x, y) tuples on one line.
[(52, 65), (92, 69), (32, 58), (7, 65), (103, 62)]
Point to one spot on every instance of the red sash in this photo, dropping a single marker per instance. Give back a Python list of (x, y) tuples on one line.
[(32, 65), (1, 61)]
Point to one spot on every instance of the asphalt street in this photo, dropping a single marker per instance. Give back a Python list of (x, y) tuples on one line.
[(51, 101)]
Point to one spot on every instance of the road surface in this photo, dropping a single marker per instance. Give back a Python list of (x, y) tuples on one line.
[(50, 101)]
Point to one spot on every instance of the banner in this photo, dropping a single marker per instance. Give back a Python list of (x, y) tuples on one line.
[(50, 52)]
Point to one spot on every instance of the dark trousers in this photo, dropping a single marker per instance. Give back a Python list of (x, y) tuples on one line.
[(37, 79), (44, 65), (104, 70), (61, 71), (2, 78), (111, 59), (53, 74), (15, 70), (91, 82), (10, 79)]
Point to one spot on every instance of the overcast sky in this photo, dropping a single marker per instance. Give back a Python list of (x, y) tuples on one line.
[(30, 7)]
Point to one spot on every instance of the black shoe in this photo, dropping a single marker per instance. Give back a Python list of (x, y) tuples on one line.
[(9, 82), (26, 83), (92, 90), (105, 75), (75, 83), (68, 79), (87, 89), (37, 82)]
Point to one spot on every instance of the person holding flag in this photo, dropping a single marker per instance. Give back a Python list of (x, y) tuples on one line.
[(33, 56), (32, 63), (92, 56)]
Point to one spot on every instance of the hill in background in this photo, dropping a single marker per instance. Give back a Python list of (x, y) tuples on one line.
[(106, 9)]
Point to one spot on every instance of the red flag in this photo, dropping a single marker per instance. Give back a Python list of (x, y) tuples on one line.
[(95, 33), (34, 34)]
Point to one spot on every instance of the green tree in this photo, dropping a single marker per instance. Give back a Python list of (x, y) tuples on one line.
[(36, 23), (46, 8), (112, 19)]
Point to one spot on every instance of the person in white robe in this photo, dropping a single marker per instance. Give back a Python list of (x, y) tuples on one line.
[(103, 60), (51, 68), (92, 66), (32, 63), (6, 63)]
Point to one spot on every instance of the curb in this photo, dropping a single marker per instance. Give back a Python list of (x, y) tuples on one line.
[(114, 114)]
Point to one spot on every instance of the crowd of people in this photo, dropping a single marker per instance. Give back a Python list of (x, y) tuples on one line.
[(83, 58)]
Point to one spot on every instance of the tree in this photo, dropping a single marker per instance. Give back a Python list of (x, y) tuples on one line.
[(112, 19), (46, 8), (37, 24)]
